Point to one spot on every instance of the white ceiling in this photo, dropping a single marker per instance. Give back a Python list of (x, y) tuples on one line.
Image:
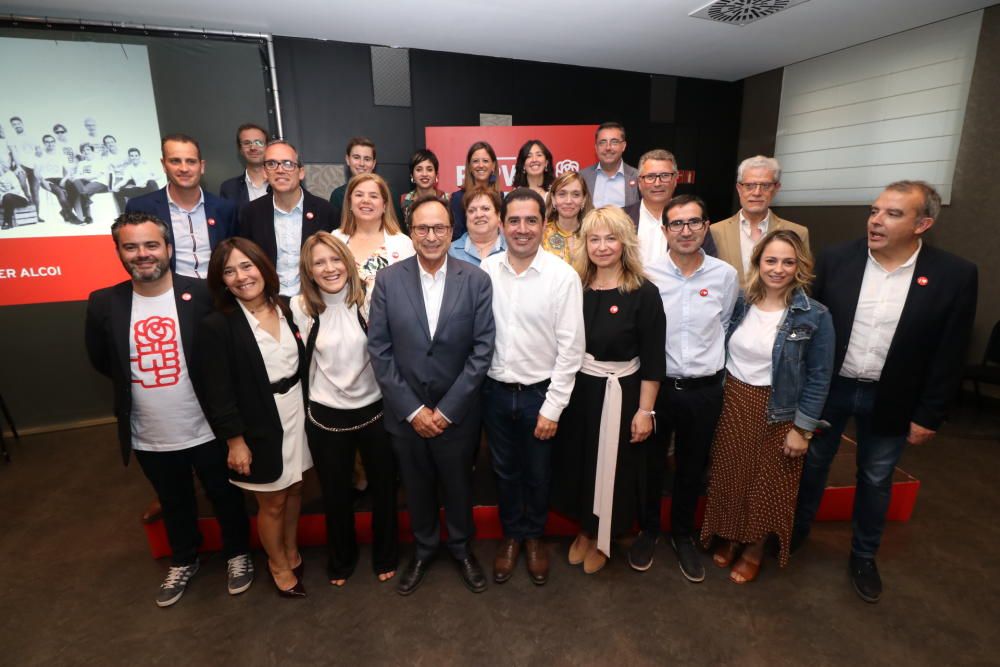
[(654, 36)]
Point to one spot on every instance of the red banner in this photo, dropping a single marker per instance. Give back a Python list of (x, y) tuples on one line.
[(572, 148), (65, 268)]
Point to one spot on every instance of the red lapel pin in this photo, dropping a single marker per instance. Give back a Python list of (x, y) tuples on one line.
[(613, 310), (703, 292), (211, 222), (186, 296), (309, 215), (922, 281)]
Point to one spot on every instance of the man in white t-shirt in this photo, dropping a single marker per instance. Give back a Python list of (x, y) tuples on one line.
[(141, 334)]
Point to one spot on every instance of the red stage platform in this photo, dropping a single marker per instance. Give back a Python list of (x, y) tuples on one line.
[(837, 503)]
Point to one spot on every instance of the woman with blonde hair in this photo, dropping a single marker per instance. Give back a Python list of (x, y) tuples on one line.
[(344, 406), (566, 204), (599, 469), (779, 362), (369, 227)]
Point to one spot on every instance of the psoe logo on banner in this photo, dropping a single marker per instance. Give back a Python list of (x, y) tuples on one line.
[(564, 166)]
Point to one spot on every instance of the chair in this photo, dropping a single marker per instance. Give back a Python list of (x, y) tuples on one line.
[(989, 370)]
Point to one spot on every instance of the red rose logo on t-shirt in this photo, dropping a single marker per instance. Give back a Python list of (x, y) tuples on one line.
[(157, 360)]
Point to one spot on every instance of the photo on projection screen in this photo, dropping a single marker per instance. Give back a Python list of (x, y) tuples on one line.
[(78, 137)]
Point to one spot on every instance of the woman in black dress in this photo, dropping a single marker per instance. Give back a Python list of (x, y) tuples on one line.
[(598, 469)]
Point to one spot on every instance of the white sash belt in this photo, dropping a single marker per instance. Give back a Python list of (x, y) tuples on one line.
[(607, 443)]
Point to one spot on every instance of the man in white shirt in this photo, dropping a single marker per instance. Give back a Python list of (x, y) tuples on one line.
[(903, 311), (141, 333), (698, 293), (138, 178), (758, 180), (538, 309), (657, 182), (251, 140), (90, 177), (51, 172), (25, 150), (430, 338), (611, 182)]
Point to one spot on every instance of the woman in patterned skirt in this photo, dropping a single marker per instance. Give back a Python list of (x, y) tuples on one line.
[(779, 364)]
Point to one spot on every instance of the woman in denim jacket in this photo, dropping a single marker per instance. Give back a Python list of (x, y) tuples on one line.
[(779, 364)]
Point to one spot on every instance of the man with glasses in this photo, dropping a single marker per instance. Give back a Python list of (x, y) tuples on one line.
[(657, 181), (758, 180), (64, 145), (698, 292), (360, 159), (430, 339), (281, 222), (198, 220), (251, 185), (611, 181)]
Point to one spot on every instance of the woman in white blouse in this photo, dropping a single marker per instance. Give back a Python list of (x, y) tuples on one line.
[(344, 406), (370, 228)]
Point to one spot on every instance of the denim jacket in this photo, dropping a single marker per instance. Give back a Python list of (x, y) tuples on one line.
[(802, 361)]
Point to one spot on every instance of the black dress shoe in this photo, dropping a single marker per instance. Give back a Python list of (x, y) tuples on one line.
[(865, 578), (472, 573), (412, 576)]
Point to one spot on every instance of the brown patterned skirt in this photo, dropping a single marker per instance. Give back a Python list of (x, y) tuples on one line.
[(753, 486)]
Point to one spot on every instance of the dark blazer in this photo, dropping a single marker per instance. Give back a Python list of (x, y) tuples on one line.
[(589, 175), (238, 398), (257, 221), (106, 334), (413, 369), (923, 368), (219, 214), (708, 245)]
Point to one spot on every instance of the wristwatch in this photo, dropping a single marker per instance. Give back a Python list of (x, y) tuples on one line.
[(808, 435)]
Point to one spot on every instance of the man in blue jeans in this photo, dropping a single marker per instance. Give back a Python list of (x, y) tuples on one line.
[(902, 311), (538, 310)]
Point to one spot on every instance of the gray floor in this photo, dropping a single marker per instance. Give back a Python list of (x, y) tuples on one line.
[(78, 587)]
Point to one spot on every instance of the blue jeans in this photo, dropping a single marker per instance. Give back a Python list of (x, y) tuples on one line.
[(876, 460), (521, 462)]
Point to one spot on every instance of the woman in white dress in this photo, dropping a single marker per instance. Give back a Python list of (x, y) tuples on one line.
[(251, 353), (370, 229)]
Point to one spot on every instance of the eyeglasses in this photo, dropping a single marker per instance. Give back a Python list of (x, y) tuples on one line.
[(694, 224), (421, 231), (60, 131), (285, 165), (753, 187), (247, 143), (614, 143), (664, 177)]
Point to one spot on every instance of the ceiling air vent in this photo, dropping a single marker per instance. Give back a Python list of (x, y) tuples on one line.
[(742, 12)]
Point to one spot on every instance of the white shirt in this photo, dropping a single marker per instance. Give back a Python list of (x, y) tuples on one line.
[(139, 174), (166, 415), (880, 304), (281, 355), (698, 309), (652, 241), (253, 192), (539, 326), (433, 289), (609, 190), (340, 374), (746, 243), (288, 237), (24, 149), (751, 347), (192, 249)]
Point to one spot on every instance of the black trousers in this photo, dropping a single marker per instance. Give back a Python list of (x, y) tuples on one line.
[(170, 475), (131, 192), (333, 456), (424, 464), (690, 415)]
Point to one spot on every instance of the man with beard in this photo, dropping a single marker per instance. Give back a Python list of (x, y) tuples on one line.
[(141, 333), (251, 140)]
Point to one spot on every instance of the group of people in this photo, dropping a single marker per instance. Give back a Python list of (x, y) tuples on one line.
[(588, 324), (71, 169)]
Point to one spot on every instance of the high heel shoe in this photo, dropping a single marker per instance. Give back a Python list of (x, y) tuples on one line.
[(296, 591), (300, 570)]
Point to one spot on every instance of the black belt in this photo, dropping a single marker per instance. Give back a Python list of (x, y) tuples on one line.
[(517, 386), (284, 385), (686, 384)]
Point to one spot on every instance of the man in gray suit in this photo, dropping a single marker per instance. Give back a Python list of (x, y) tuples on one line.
[(611, 181), (430, 338)]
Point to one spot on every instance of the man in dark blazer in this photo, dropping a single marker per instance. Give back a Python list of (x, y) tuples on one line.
[(282, 221), (903, 311), (141, 333), (196, 220), (251, 140), (610, 180), (430, 338)]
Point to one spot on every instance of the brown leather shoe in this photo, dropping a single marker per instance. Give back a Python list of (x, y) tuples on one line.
[(537, 557), (503, 565)]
